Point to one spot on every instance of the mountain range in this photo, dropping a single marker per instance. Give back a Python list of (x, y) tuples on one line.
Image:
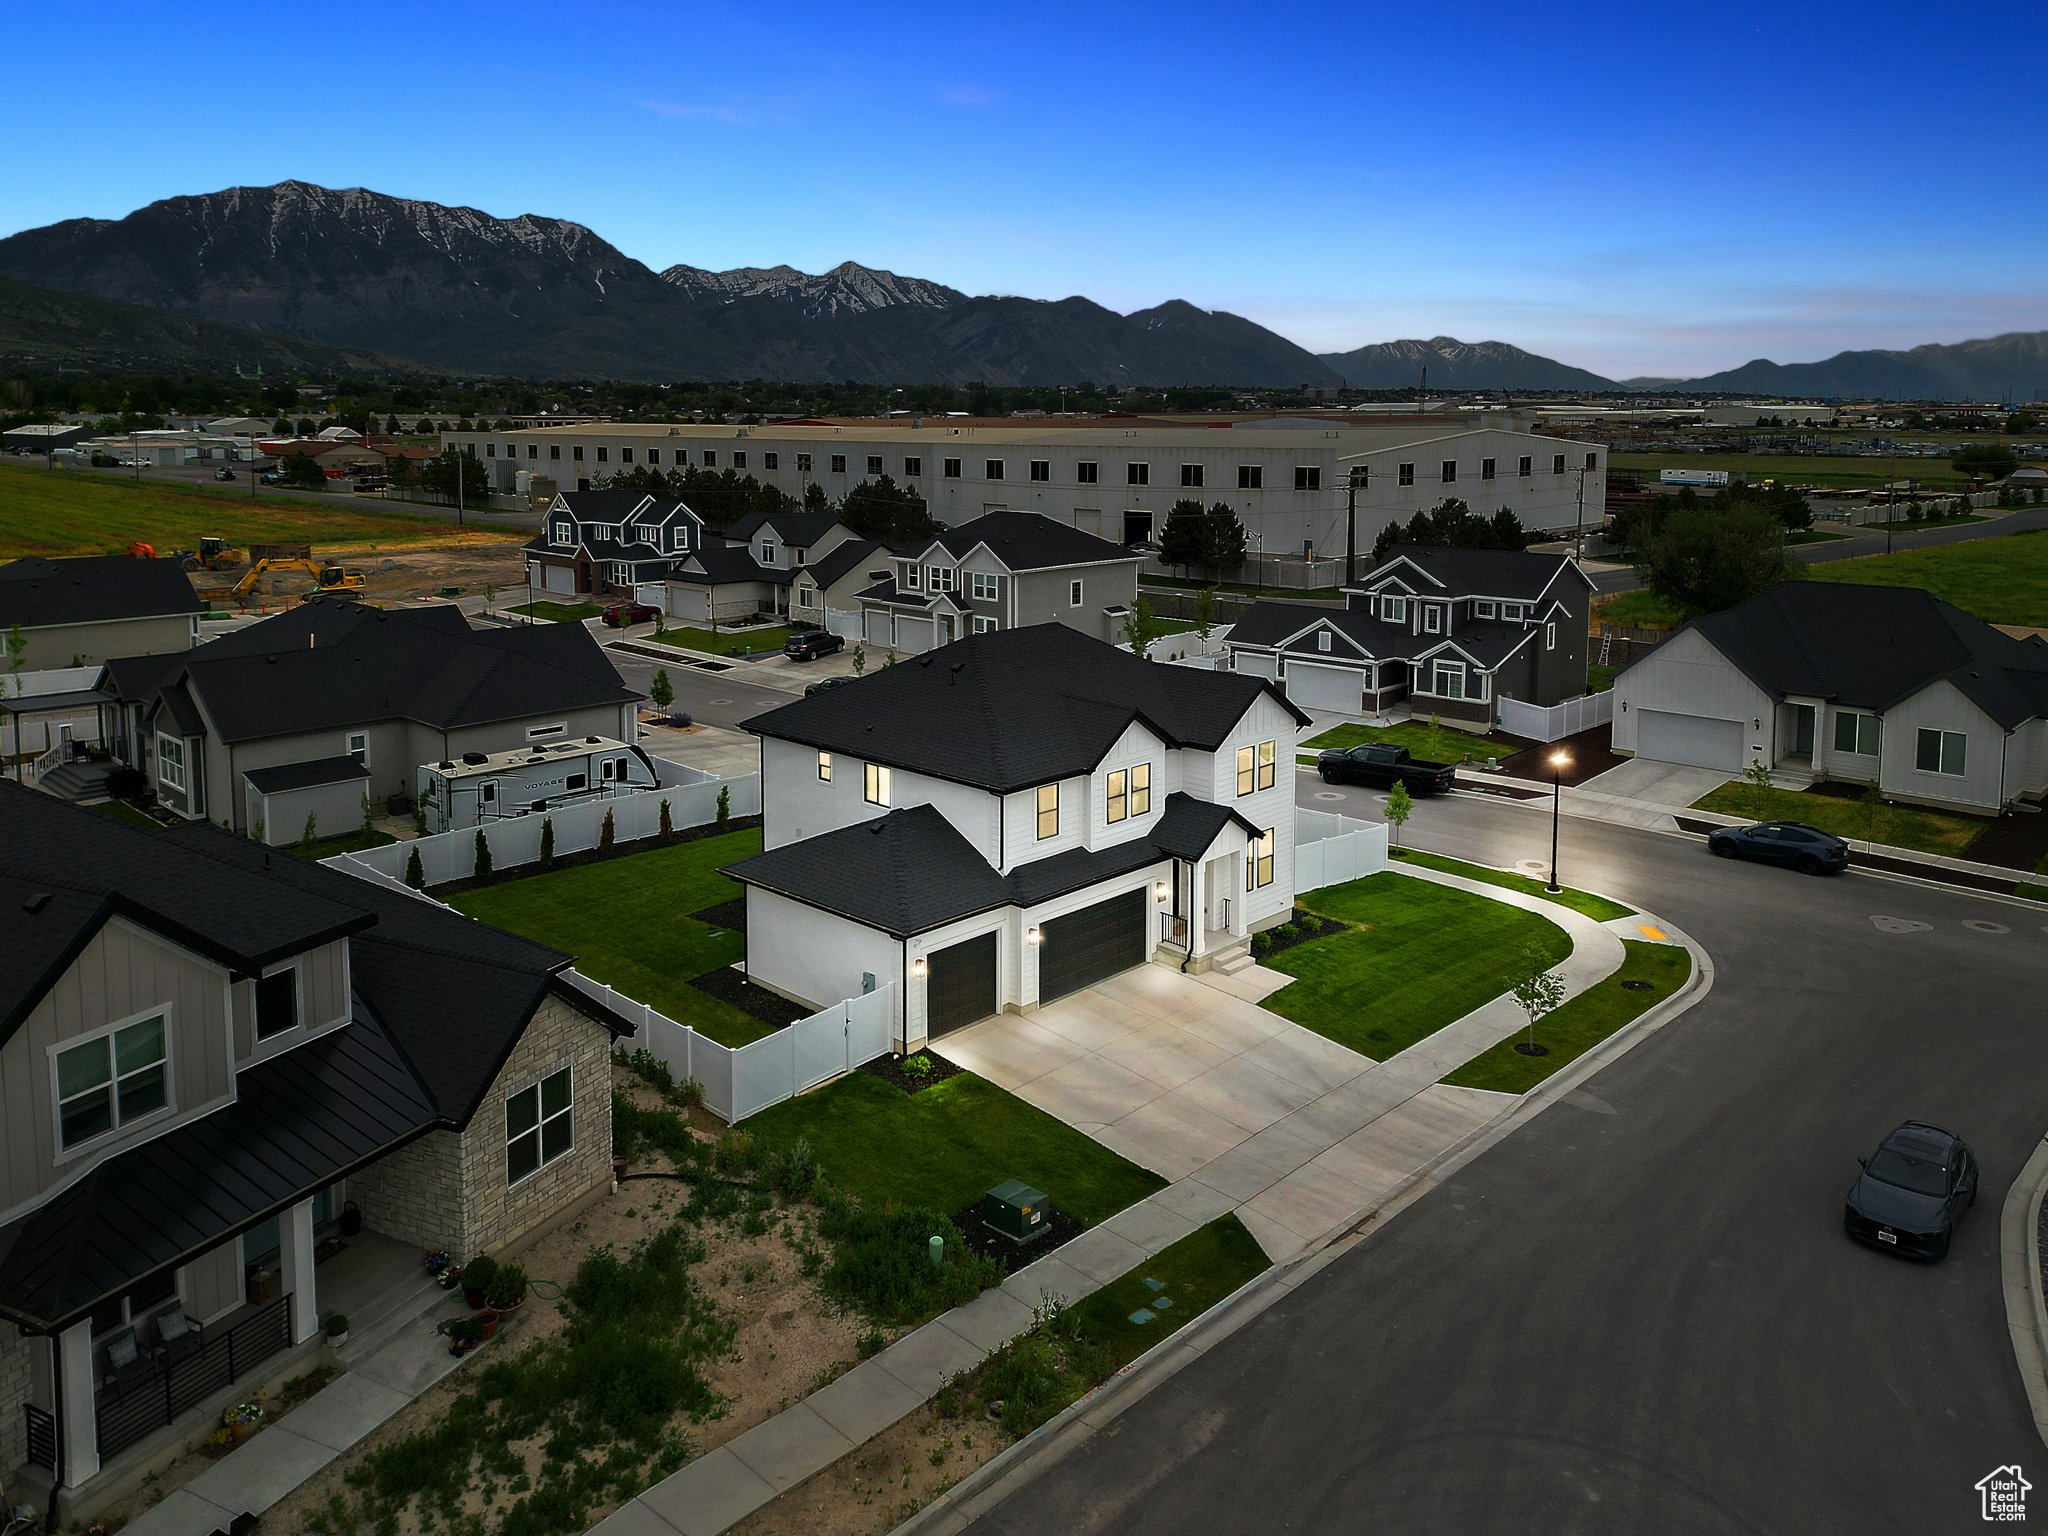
[(351, 280)]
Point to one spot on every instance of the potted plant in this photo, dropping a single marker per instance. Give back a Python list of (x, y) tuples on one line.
[(243, 1419), (507, 1289), (337, 1331), (464, 1335), (487, 1320), (477, 1276)]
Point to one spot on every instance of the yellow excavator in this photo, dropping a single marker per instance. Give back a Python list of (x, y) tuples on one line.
[(329, 580)]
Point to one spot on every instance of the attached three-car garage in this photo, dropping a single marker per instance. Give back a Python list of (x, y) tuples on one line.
[(1092, 944)]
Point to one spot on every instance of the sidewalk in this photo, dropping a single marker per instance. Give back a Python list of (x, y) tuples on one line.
[(1305, 1178)]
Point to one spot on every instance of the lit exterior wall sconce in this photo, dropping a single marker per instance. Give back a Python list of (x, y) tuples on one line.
[(917, 966), (1159, 890), (1033, 937)]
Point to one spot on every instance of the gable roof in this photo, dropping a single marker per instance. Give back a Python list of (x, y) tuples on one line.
[(852, 555), (35, 591), (280, 777), (1509, 573), (1271, 625), (1025, 541), (798, 527), (322, 666), (719, 563), (1013, 708), (1872, 647)]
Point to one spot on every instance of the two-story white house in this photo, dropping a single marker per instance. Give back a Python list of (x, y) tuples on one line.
[(1007, 819), (607, 543), (227, 1079), (1005, 570)]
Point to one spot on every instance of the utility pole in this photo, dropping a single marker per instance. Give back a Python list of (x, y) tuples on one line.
[(461, 472), (1359, 475), (1579, 521)]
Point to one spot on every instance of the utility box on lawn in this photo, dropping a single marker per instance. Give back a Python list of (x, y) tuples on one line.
[(1015, 1210)]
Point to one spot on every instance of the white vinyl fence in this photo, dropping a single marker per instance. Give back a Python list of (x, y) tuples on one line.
[(745, 1080), (515, 841), (1556, 721), (1330, 849), (1187, 644)]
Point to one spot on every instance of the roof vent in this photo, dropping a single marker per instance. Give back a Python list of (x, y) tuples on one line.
[(36, 903), (446, 762), (474, 758), (591, 740), (874, 826)]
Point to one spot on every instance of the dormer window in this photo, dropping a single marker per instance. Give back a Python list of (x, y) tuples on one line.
[(1512, 612), (563, 533), (679, 536), (1432, 618), (1322, 640), (1484, 608), (910, 577), (1394, 609), (277, 1002), (769, 553)]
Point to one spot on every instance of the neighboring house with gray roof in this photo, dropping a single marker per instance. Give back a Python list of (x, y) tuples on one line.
[(79, 612), (1888, 686), (389, 688), (826, 592), (1005, 570), (604, 544), (1010, 818), (213, 1059), (751, 573), (1448, 632)]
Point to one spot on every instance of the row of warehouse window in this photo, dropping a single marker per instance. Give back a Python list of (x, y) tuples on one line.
[(1137, 472)]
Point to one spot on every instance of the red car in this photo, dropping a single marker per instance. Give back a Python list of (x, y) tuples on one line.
[(619, 615)]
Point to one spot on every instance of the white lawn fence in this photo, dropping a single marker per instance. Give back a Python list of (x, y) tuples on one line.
[(1556, 721), (515, 841), (1330, 849)]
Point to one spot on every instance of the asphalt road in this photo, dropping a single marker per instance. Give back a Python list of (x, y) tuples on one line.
[(1639, 1314)]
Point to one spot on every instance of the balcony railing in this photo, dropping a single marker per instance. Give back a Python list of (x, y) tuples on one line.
[(224, 1356)]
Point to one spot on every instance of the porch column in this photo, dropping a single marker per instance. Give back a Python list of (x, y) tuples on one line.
[(295, 1269), (1198, 914), (1240, 925), (77, 1386)]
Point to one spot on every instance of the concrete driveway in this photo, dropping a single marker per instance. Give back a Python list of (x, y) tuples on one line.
[(1671, 785)]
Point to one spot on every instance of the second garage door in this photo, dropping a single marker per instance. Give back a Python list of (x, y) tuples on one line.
[(1313, 687), (1693, 739), (960, 986), (1084, 947)]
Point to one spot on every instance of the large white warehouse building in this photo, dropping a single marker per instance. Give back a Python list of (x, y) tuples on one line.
[(1286, 476)]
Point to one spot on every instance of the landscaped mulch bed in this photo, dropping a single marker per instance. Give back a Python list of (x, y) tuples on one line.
[(2018, 841), (597, 855), (1589, 752), (729, 986), (1061, 1228), (890, 1070), (1307, 927), (727, 914)]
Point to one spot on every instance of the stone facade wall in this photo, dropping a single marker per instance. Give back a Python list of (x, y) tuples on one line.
[(447, 1190), (14, 1391), (1459, 711)]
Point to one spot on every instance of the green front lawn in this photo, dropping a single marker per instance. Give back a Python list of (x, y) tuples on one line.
[(1599, 908), (1416, 956), (1637, 610), (946, 1146), (1582, 1023), (558, 613), (1901, 826), (1813, 536), (346, 842), (627, 922), (722, 643), (2000, 580), (120, 810), (1432, 743), (2031, 890)]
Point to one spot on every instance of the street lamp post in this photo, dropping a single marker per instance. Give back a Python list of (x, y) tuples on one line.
[(1559, 761)]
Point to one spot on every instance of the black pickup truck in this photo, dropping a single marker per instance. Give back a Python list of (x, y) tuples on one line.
[(1379, 764)]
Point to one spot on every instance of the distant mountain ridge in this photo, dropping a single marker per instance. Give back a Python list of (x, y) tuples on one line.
[(2013, 367), (1457, 365)]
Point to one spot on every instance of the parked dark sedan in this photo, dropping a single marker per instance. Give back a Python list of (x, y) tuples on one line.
[(812, 644), (1913, 1188), (826, 685), (1806, 849)]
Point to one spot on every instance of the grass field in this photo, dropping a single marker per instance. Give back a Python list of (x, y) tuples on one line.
[(1414, 957), (1900, 826), (947, 1145), (1849, 473), (2002, 581), (1582, 1023), (1818, 536), (558, 613), (75, 512), (1599, 908), (721, 643), (1432, 743)]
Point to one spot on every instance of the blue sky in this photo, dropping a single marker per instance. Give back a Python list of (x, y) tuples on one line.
[(1644, 188)]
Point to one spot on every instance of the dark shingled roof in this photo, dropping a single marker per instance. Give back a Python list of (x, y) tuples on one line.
[(1509, 573), (321, 770), (850, 556), (323, 666), (727, 563), (802, 529), (613, 507), (35, 591), (911, 870), (438, 1003), (1488, 641), (1027, 541), (1872, 647), (1017, 707)]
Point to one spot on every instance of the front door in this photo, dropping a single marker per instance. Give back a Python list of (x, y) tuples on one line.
[(1217, 877), (1802, 730)]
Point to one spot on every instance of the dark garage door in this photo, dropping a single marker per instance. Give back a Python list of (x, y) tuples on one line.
[(1085, 946), (960, 984)]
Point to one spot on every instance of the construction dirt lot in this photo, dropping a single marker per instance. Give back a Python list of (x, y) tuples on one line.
[(397, 572)]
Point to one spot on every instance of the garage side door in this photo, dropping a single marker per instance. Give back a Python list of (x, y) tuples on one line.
[(878, 626), (1663, 737), (1084, 947), (1336, 688), (960, 984)]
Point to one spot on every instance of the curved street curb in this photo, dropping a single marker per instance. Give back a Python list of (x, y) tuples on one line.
[(2026, 1318), (1066, 1432)]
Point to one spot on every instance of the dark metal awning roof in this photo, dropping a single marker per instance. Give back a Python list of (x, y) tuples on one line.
[(45, 703)]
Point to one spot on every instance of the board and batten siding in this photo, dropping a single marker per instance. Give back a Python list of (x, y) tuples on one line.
[(323, 1000), (814, 957), (800, 804), (1213, 776), (1687, 675), (1942, 706), (122, 972)]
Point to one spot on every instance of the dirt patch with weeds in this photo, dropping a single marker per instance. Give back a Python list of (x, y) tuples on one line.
[(885, 1482)]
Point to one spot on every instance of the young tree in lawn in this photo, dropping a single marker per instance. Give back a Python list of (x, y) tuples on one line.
[(607, 834), (661, 691), (668, 823), (1537, 993), (1400, 806), (1758, 776), (1183, 541), (415, 875), (724, 804), (547, 842), (1141, 627), (483, 855), (859, 658), (369, 825), (311, 834), (1205, 613)]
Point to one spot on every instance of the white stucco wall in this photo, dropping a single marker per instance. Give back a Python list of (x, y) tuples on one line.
[(800, 804), (1943, 706), (1686, 675)]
